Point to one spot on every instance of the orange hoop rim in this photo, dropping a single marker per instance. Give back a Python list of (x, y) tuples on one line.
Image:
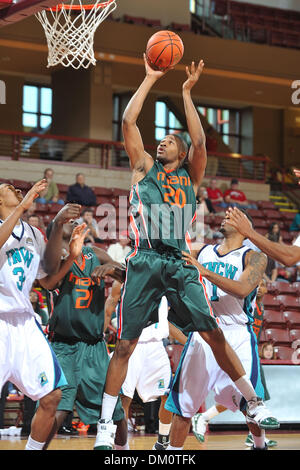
[(65, 6)]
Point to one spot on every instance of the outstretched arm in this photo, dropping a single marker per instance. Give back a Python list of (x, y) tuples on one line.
[(8, 225), (75, 247), (139, 158), (197, 153), (108, 267), (288, 255), (256, 264)]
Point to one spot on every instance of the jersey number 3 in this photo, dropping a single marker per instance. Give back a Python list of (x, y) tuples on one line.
[(20, 272)]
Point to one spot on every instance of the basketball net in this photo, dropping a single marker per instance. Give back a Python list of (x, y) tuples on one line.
[(70, 37)]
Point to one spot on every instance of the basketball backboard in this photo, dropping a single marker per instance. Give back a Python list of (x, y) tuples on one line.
[(12, 11)]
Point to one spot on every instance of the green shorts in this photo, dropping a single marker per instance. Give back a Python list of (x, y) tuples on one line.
[(151, 275), (85, 367)]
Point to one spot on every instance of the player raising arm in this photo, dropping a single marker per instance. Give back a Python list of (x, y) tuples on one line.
[(288, 255)]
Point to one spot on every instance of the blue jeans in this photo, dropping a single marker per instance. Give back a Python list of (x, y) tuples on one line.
[(236, 204), (42, 200)]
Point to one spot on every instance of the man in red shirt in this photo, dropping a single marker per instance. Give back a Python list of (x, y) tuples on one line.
[(235, 197), (214, 193)]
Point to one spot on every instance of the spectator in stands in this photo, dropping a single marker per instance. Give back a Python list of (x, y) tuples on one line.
[(204, 203), (51, 194), (87, 217), (80, 193), (234, 197), (273, 235), (36, 221), (295, 225), (118, 251), (214, 193), (268, 352)]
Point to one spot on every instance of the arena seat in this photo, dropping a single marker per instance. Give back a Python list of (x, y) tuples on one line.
[(274, 319), (292, 318), (261, 223), (20, 184), (271, 214), (283, 353), (296, 286), (294, 334), (279, 336), (281, 287), (289, 302), (255, 213), (272, 302), (102, 191), (54, 208), (41, 208)]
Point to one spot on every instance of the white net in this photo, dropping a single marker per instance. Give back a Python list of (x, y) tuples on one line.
[(70, 32)]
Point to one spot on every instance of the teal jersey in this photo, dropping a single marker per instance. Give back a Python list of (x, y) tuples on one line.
[(78, 313), (163, 207)]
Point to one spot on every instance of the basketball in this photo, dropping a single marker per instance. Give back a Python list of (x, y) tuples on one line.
[(164, 49)]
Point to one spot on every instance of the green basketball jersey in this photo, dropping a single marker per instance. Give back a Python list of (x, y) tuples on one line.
[(78, 313), (163, 206)]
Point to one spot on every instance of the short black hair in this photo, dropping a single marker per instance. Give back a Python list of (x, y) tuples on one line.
[(182, 145)]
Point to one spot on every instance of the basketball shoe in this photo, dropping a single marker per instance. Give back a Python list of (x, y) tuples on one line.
[(199, 425), (249, 441), (105, 438), (258, 413), (162, 443)]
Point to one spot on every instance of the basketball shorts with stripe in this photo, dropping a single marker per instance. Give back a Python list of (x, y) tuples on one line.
[(26, 357), (149, 372), (198, 373), (151, 275)]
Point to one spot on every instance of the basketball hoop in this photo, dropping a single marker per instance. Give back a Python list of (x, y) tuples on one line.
[(70, 37)]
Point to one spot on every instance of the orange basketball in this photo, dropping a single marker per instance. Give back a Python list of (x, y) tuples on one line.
[(164, 49)]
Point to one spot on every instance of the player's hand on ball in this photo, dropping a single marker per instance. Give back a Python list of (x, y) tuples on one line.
[(33, 193), (154, 73), (193, 73), (68, 212), (77, 240)]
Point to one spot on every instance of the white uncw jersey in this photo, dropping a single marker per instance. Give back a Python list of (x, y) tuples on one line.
[(160, 330), (20, 265), (230, 310)]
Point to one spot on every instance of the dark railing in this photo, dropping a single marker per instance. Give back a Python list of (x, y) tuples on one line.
[(109, 154)]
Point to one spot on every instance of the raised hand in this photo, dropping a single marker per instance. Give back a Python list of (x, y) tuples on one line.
[(193, 73), (68, 212), (33, 193), (239, 221), (77, 240), (156, 74)]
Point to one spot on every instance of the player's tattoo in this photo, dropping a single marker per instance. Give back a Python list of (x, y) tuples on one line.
[(257, 264)]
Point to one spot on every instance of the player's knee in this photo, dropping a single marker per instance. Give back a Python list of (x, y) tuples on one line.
[(124, 350), (50, 402)]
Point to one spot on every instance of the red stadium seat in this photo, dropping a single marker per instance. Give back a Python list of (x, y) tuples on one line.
[(274, 319), (283, 353), (296, 286), (262, 336), (261, 223), (281, 287), (20, 184), (41, 208), (271, 214), (289, 302), (54, 208), (288, 216), (292, 319), (271, 302), (102, 191), (266, 205), (255, 213), (294, 334), (279, 336), (174, 353)]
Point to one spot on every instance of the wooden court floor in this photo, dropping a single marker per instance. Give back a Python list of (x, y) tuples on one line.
[(214, 441)]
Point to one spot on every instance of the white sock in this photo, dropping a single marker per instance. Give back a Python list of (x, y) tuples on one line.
[(210, 413), (245, 387), (259, 442), (34, 445), (108, 406), (125, 447), (173, 448), (164, 429)]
